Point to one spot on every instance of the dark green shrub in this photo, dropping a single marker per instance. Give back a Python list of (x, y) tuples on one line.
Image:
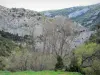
[(59, 65)]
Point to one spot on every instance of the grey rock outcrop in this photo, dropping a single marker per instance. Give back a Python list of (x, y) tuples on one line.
[(20, 21), (26, 22)]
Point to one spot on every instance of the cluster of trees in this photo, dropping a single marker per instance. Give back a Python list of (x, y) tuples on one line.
[(55, 50), (55, 53), (96, 37), (6, 47), (58, 33), (87, 56), (14, 37)]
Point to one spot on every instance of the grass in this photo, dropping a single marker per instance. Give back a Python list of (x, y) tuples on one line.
[(39, 73)]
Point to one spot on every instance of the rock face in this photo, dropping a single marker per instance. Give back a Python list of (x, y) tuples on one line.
[(20, 21), (26, 22), (78, 13), (80, 39)]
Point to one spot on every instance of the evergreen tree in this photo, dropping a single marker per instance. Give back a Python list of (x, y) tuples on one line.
[(59, 65)]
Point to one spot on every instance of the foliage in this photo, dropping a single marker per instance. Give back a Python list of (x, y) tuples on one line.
[(11, 36), (73, 67), (59, 65), (29, 60), (86, 49), (96, 36), (6, 47), (88, 58), (56, 32), (88, 55)]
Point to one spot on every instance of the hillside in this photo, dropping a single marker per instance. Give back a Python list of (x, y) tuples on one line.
[(23, 22), (19, 21), (38, 40), (85, 15)]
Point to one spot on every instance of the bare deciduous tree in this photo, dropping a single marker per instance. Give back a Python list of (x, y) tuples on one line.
[(58, 33)]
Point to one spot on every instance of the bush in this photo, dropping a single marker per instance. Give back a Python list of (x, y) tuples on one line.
[(29, 60), (88, 58), (6, 47), (59, 65)]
